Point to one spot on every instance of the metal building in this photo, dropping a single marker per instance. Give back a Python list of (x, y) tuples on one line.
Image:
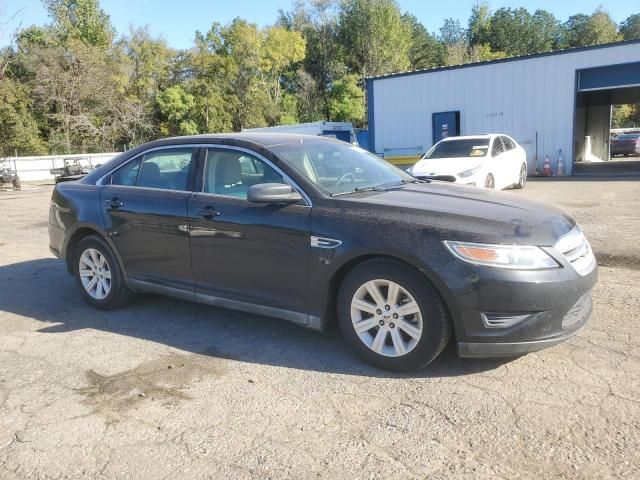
[(548, 102)]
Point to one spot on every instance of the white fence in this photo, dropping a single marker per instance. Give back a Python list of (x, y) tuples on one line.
[(37, 168)]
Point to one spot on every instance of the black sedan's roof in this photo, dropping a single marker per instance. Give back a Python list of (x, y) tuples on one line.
[(258, 141), (266, 139)]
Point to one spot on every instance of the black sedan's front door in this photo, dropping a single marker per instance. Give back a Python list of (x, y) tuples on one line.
[(145, 210), (246, 252)]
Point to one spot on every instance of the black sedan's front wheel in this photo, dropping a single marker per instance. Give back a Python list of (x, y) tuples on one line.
[(392, 316)]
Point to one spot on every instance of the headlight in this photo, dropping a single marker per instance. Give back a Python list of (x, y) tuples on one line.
[(517, 257), (468, 173)]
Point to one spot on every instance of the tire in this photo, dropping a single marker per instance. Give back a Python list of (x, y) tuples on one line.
[(432, 319), (490, 182), (522, 179), (118, 293)]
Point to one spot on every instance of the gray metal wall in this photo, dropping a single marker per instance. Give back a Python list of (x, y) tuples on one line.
[(519, 98)]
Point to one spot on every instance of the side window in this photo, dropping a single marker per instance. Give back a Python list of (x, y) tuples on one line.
[(232, 173), (127, 174), (508, 143), (498, 147), (166, 169)]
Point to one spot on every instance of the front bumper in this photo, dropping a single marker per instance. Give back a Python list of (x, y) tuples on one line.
[(572, 323), (499, 312)]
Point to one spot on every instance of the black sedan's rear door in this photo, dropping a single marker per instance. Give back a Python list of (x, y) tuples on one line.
[(144, 207)]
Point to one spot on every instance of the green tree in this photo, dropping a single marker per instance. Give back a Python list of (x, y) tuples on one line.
[(377, 39), (146, 62), (425, 51), (626, 116), (451, 32), (280, 49), (582, 30), (176, 107), (324, 59), (630, 28), (82, 20), (18, 128), (347, 100), (479, 31)]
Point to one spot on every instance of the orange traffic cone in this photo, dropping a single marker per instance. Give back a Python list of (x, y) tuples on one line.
[(546, 168)]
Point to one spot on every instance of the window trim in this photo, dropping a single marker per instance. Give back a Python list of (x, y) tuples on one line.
[(260, 157), (192, 169)]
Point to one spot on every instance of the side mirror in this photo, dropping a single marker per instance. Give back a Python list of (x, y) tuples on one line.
[(273, 193)]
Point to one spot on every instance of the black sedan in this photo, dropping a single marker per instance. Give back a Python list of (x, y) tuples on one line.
[(319, 232)]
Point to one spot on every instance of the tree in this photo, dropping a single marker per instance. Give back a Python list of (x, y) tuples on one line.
[(479, 24), (347, 100), (377, 39), (626, 116), (279, 50), (582, 30), (425, 51), (146, 62), (323, 62), (451, 32), (176, 107), (630, 28), (74, 87), (18, 128), (81, 20)]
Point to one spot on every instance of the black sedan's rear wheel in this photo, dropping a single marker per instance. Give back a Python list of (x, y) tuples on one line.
[(98, 274), (392, 316)]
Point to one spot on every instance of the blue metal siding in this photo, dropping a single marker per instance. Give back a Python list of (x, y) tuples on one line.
[(371, 117), (621, 75)]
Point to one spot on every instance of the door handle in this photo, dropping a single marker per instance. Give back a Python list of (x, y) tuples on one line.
[(114, 203), (207, 213)]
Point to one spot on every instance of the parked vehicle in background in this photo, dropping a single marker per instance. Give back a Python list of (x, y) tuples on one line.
[(314, 231), (8, 175), (492, 161), (625, 144), (73, 169)]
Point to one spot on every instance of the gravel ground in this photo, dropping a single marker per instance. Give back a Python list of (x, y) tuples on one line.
[(170, 389)]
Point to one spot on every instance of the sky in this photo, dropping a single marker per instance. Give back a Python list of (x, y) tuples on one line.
[(176, 21)]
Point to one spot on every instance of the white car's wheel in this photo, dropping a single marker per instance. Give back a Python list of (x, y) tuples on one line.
[(522, 178), (490, 182)]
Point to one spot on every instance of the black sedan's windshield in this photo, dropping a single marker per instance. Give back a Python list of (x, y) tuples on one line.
[(338, 167), (474, 147)]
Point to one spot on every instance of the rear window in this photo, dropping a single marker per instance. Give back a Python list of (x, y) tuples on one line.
[(477, 147)]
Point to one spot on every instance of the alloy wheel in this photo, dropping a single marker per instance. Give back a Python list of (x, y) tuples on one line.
[(489, 182), (523, 176), (386, 318), (95, 273)]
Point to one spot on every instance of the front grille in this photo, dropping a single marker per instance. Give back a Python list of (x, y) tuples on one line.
[(578, 312), (442, 178), (576, 249)]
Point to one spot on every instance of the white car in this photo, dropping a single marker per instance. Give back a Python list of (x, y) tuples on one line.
[(493, 161)]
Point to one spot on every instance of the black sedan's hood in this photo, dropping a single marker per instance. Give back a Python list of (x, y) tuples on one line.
[(470, 213)]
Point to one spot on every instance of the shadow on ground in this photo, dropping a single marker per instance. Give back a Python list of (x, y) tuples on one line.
[(43, 290)]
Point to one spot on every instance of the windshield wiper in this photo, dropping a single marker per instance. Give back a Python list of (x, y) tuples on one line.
[(375, 188), (382, 187)]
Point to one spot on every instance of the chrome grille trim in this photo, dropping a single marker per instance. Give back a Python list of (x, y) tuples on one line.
[(502, 320), (576, 249)]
